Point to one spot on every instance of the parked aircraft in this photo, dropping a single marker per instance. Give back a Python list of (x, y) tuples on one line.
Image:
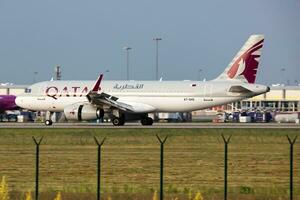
[(7, 102), (133, 100)]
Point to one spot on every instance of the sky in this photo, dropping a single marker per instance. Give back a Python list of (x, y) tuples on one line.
[(199, 38)]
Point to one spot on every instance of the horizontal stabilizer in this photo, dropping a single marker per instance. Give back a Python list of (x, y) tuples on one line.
[(239, 89)]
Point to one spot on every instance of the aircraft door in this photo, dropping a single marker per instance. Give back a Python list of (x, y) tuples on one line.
[(208, 92)]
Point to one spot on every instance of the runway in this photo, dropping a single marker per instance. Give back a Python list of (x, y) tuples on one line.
[(155, 125)]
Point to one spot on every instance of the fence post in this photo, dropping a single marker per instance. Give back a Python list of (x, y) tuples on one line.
[(99, 144), (226, 142), (37, 160), (292, 142), (162, 142)]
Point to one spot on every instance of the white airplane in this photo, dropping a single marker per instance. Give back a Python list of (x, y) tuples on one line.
[(133, 100)]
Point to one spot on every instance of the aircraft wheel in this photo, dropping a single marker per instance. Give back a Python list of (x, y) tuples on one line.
[(117, 121), (148, 121), (48, 122)]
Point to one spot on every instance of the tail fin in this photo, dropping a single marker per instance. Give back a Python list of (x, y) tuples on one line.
[(244, 65)]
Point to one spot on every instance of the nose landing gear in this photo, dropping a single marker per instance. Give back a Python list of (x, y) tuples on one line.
[(48, 122)]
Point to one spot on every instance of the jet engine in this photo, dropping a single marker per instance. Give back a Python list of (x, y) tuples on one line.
[(82, 112)]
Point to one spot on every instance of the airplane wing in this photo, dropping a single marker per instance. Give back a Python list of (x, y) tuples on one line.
[(106, 99), (100, 98)]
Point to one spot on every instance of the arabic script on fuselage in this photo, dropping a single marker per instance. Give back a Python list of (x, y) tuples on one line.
[(128, 86)]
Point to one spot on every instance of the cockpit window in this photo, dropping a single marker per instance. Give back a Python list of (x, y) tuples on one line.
[(27, 90)]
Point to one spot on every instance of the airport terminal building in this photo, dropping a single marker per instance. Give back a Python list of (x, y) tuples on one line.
[(280, 99), (12, 89)]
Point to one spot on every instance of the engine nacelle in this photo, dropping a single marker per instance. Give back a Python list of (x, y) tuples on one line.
[(81, 112)]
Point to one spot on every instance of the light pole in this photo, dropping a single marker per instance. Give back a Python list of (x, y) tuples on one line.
[(156, 71), (127, 60), (282, 75), (57, 70), (106, 71), (34, 76), (199, 71)]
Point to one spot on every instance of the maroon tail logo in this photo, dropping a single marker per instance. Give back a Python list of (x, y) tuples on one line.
[(246, 64)]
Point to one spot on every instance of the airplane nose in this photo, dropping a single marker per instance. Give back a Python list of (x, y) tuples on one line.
[(268, 89), (19, 101)]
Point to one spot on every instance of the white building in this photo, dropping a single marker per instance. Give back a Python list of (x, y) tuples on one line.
[(280, 98), (12, 89)]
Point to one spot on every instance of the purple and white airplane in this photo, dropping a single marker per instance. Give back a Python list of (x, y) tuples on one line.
[(7, 102)]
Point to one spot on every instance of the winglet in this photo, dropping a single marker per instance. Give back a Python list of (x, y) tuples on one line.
[(97, 84)]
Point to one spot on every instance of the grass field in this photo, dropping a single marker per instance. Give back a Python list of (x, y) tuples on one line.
[(258, 163)]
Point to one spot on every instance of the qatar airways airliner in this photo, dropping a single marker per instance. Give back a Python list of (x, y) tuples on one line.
[(133, 100)]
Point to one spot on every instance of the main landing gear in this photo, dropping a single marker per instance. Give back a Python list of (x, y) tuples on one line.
[(148, 121), (118, 121)]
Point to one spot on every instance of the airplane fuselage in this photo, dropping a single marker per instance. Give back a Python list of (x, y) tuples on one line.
[(7, 102), (162, 96), (128, 100)]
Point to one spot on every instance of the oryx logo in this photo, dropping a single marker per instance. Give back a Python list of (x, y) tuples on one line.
[(246, 65)]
